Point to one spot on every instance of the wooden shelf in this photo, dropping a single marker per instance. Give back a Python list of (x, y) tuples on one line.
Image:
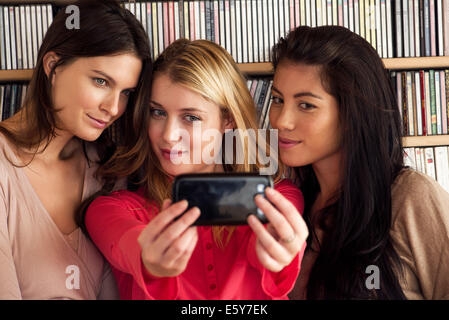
[(265, 68), (416, 63), (15, 75), (426, 141)]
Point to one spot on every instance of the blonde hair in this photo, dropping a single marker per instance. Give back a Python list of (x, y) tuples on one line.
[(207, 69)]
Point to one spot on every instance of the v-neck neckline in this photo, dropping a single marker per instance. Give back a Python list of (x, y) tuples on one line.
[(23, 176)]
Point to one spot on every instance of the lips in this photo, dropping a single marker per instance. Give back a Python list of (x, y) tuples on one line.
[(167, 153), (287, 143), (101, 124)]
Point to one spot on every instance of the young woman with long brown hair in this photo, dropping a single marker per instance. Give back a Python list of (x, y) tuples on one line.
[(155, 256), (84, 80), (378, 230)]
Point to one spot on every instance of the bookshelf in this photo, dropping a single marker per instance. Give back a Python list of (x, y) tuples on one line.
[(264, 69)]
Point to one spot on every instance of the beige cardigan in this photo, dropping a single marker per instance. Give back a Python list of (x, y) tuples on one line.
[(37, 261), (420, 234)]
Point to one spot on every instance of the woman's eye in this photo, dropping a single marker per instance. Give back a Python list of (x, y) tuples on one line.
[(191, 118), (157, 113), (127, 92), (306, 106), (276, 100), (100, 81)]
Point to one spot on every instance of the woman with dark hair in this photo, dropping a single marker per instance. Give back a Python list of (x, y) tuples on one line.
[(84, 80), (378, 230)]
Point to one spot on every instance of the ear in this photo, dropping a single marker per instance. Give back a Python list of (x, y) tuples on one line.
[(49, 62), (228, 122)]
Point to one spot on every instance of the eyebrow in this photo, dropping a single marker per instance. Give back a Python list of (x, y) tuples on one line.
[(184, 109), (105, 75), (300, 94)]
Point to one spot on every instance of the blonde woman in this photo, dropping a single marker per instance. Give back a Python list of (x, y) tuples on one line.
[(153, 255)]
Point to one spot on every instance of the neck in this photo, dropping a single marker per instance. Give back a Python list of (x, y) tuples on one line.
[(329, 175)]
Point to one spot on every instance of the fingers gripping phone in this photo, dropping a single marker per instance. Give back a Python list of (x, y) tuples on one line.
[(223, 199)]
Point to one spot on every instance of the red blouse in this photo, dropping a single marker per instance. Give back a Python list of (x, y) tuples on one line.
[(234, 272)]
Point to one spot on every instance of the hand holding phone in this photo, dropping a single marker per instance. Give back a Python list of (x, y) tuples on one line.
[(167, 245), (223, 199), (284, 237)]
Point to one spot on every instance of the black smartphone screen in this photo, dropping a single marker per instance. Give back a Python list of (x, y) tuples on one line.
[(224, 199)]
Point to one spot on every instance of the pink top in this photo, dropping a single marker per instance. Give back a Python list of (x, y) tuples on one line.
[(234, 272)]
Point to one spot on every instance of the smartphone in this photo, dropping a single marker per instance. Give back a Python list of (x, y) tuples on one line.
[(224, 199)]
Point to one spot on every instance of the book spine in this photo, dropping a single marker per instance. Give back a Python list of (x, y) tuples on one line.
[(245, 34), (351, 15), (181, 18), (329, 12), (160, 22), (297, 13), (271, 27), (427, 28), (362, 19), (384, 28), (417, 28), (379, 29), (367, 21), (423, 102), (443, 102), (18, 38), (428, 98), (398, 14), (438, 102), (411, 28), (238, 22), (405, 118), (186, 20), (2, 47), (417, 101), (302, 11), (250, 31), (197, 20), (171, 21), (217, 22), (149, 20), (266, 40), (313, 12), (446, 73), (233, 34), (433, 49), (178, 23), (389, 29), (29, 37), (410, 109), (422, 39), (34, 33), (202, 20), (155, 29), (222, 24), (433, 111), (12, 29), (341, 19), (255, 19), (430, 162), (228, 26), (442, 166), (319, 18), (307, 17), (405, 24), (292, 13), (357, 17), (440, 40), (278, 16), (446, 27)]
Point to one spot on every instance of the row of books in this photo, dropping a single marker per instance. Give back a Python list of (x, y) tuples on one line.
[(260, 90), (22, 29), (423, 99), (422, 28), (433, 161), (249, 28), (11, 98)]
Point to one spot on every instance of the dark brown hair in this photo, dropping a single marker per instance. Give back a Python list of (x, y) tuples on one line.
[(105, 29), (357, 224)]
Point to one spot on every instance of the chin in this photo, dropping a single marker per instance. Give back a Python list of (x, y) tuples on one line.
[(90, 137)]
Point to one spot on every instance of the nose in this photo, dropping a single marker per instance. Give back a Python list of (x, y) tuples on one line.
[(284, 119), (111, 104), (172, 132)]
